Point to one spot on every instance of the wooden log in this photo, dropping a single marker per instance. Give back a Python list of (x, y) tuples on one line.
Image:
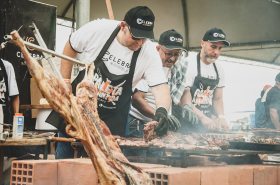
[(110, 9)]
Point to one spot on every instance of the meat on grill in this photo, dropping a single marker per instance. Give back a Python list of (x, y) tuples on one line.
[(149, 131), (83, 122)]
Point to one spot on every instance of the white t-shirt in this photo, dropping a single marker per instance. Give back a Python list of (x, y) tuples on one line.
[(149, 97), (12, 83), (207, 71), (90, 39)]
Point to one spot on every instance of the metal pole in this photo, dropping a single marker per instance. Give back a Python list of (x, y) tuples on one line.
[(82, 12)]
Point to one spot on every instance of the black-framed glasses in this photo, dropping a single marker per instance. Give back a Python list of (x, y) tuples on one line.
[(170, 54)]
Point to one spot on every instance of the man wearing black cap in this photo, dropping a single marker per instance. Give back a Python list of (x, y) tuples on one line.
[(170, 48), (123, 55), (272, 105), (205, 82)]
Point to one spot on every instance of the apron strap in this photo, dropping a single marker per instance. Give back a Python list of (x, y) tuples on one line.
[(133, 65), (98, 59), (198, 64), (106, 46), (215, 67)]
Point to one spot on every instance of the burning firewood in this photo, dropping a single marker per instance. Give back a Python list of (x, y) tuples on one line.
[(83, 122)]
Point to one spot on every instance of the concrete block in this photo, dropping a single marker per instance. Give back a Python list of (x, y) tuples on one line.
[(241, 175), (34, 172), (174, 176), (76, 172), (215, 176), (265, 175)]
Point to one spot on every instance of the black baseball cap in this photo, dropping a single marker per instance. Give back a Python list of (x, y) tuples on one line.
[(171, 39), (216, 35), (141, 21), (277, 78)]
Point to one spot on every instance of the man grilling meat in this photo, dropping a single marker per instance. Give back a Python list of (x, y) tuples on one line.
[(172, 54), (123, 55), (205, 83)]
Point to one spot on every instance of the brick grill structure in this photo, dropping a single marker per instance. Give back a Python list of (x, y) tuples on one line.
[(31, 172), (81, 172)]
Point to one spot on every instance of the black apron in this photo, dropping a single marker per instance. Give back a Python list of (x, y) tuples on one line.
[(6, 100), (114, 92), (203, 89)]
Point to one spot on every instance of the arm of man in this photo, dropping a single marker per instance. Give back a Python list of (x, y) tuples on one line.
[(66, 66), (139, 102), (162, 96), (186, 97), (274, 117), (218, 102), (163, 103), (15, 103)]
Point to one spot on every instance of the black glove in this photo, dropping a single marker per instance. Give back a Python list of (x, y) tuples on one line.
[(174, 123), (189, 115), (162, 118)]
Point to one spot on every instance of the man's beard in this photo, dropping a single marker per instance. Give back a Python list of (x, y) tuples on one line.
[(210, 60)]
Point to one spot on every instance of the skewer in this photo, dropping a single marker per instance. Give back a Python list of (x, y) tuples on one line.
[(38, 48), (110, 9)]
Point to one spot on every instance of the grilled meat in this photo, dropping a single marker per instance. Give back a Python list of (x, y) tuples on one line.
[(83, 122)]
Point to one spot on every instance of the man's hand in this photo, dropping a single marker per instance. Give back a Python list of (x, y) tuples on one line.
[(162, 118), (208, 123), (165, 122), (189, 115), (215, 124), (222, 123)]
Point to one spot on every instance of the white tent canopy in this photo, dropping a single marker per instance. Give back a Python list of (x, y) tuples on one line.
[(252, 26)]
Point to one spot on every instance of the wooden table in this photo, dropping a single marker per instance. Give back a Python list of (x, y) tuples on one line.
[(17, 143), (43, 106)]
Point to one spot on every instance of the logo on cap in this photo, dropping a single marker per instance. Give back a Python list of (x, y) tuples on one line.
[(174, 39), (143, 22), (220, 35), (171, 39)]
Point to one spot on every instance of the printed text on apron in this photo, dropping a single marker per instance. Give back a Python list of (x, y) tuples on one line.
[(203, 89)]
